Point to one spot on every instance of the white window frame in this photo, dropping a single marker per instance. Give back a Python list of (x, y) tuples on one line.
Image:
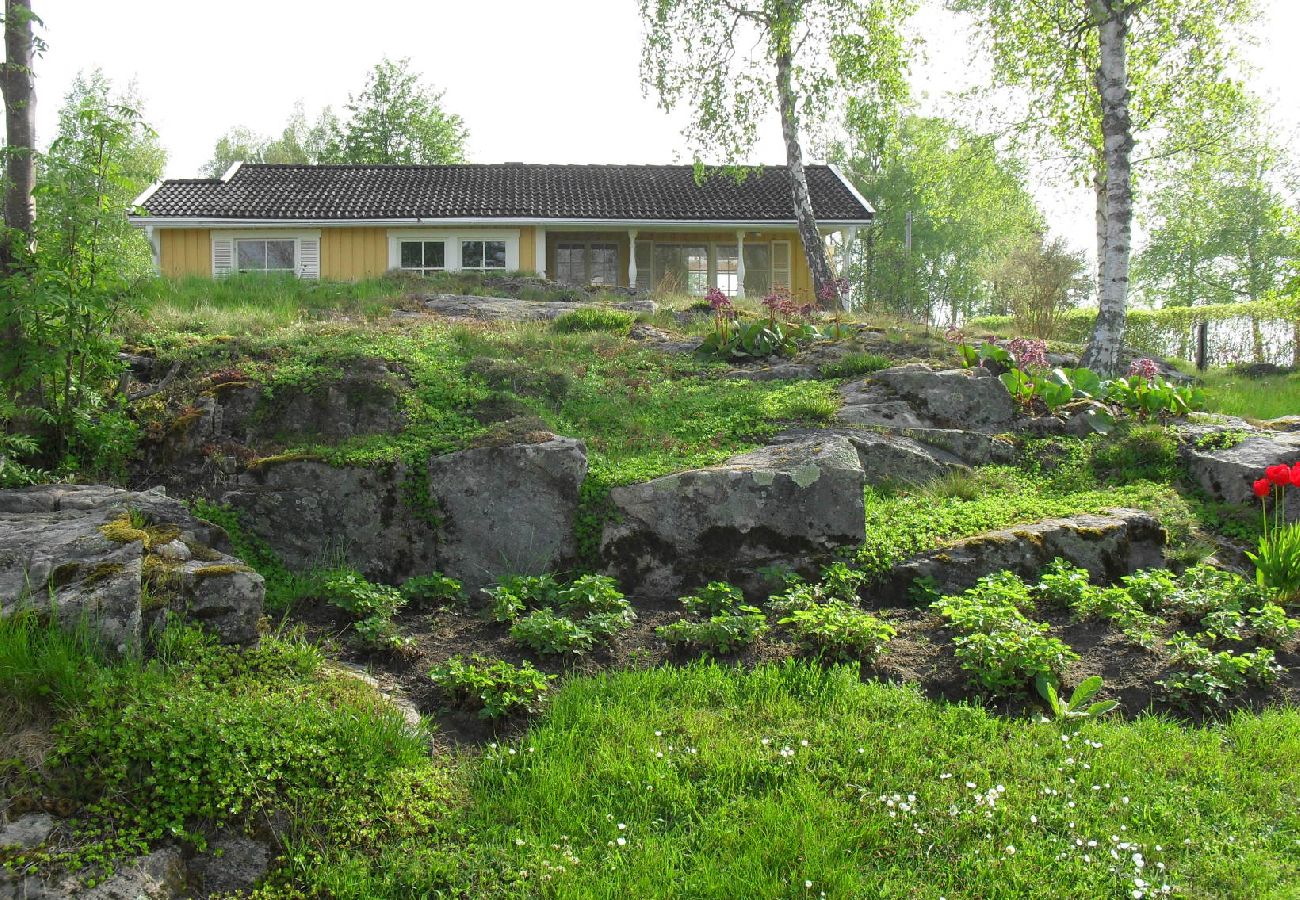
[(588, 247), (267, 234), (648, 274), (423, 270), (451, 239)]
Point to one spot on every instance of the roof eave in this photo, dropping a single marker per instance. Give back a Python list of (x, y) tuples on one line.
[(692, 224)]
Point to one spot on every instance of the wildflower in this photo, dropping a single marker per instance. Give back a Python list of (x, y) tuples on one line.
[(1145, 368), (718, 300), (1029, 353), (954, 335), (622, 842)]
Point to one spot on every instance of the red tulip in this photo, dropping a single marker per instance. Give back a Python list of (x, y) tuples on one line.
[(1279, 474), (1262, 487), (1295, 474)]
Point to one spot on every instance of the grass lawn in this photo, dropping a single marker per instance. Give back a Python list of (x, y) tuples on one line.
[(1229, 392)]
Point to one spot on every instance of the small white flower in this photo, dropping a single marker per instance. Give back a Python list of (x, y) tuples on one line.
[(622, 842), (1011, 851), (622, 826), (807, 883)]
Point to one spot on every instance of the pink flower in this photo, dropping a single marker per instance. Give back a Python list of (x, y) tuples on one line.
[(954, 335), (1144, 367), (832, 291), (779, 302), (718, 300), (1029, 353)]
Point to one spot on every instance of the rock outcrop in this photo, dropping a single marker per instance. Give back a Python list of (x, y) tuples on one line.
[(117, 559), (790, 504), (508, 309), (1228, 474), (1108, 546), (474, 515), (916, 396)]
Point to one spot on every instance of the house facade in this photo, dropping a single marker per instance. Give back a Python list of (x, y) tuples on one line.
[(652, 227)]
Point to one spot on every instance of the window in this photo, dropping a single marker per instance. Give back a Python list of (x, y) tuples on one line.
[(423, 256), (482, 254), (681, 269), (587, 264), (758, 270), (728, 268), (781, 264), (604, 265), (266, 255)]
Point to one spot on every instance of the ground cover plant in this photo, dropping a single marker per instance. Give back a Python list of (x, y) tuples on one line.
[(551, 618), (718, 620)]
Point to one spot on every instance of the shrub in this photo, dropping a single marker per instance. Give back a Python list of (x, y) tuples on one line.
[(839, 630), (494, 687), (545, 632), (432, 589), (595, 318), (513, 594)]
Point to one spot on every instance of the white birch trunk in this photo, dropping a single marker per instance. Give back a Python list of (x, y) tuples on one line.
[(18, 87), (813, 248), (1106, 344)]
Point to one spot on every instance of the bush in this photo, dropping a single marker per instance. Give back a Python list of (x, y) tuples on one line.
[(839, 630), (1204, 677), (595, 318), (432, 589), (494, 687)]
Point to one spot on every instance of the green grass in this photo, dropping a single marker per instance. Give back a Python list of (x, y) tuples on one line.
[(673, 783), (595, 318), (254, 304), (1229, 392)]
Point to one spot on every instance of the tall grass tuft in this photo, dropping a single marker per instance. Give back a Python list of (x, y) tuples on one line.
[(45, 665)]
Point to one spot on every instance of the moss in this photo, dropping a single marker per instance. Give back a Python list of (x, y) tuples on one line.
[(218, 571), (122, 531), (226, 386), (185, 419), (102, 572), (202, 552), (64, 575), (281, 458)]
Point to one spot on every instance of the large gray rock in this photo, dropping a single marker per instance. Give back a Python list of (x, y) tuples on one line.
[(232, 865), (1228, 474), (1108, 546), (160, 875), (71, 549), (885, 457), (869, 404), (790, 504), (474, 515), (26, 831), (970, 399)]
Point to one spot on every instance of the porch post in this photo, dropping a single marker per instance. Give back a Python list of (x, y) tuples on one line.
[(740, 264), (631, 258), (539, 251), (846, 258)]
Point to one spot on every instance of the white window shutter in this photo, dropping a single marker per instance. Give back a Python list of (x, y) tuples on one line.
[(223, 257), (309, 258)]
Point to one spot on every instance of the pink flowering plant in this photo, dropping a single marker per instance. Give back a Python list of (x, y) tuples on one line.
[(784, 326)]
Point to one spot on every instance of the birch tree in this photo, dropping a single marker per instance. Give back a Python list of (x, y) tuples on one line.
[(1101, 75), (17, 85), (733, 62)]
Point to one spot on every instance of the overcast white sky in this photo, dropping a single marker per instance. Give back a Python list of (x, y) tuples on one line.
[(535, 81)]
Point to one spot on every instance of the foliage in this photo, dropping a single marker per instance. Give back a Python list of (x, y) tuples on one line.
[(569, 618), (44, 664), (838, 630), (69, 296), (494, 687), (283, 588), (968, 204), (717, 621), (995, 642), (1078, 706), (741, 339), (1038, 281), (595, 318), (434, 588), (372, 605), (205, 737), (396, 119), (1202, 676), (1167, 332), (545, 632)]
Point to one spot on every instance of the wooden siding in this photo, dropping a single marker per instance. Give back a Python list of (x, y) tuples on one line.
[(351, 254), (184, 251), (527, 249)]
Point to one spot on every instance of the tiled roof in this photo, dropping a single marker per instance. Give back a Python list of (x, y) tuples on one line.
[(504, 191)]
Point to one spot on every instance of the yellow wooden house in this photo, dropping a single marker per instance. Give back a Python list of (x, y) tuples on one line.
[(655, 227)]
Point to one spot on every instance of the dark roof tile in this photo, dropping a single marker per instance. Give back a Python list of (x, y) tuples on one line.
[(506, 191)]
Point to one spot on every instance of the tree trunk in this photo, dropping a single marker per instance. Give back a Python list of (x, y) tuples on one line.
[(18, 88), (1104, 347), (814, 248)]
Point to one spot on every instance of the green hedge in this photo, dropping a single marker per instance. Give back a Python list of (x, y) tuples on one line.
[(1263, 331)]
